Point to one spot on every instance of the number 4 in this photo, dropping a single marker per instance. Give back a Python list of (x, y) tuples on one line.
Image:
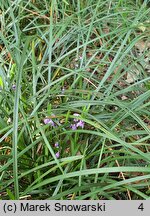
[(141, 207)]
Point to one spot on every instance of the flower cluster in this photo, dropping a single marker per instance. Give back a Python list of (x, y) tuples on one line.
[(77, 123)]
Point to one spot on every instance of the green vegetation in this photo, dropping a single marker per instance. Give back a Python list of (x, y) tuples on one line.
[(74, 99)]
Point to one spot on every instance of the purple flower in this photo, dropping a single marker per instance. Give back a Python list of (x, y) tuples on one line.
[(77, 122), (73, 126), (57, 154), (13, 87), (56, 145), (80, 124), (49, 121)]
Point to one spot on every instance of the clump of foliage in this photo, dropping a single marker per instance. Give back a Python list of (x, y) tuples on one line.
[(74, 98)]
